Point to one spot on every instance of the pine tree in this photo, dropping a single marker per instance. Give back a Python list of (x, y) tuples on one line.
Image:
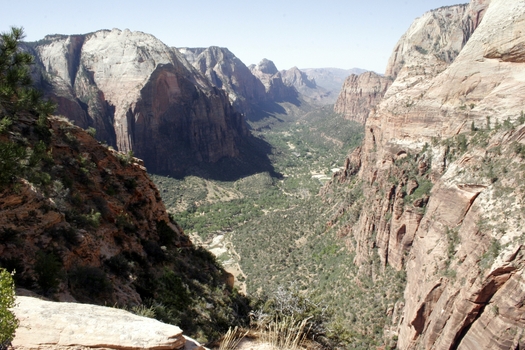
[(17, 93), (19, 97)]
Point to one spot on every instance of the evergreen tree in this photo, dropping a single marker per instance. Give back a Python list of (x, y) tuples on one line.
[(17, 93), (17, 97)]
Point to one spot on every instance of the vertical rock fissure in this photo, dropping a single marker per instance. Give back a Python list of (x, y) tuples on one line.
[(74, 50), (469, 321)]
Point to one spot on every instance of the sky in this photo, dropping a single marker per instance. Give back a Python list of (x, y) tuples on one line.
[(306, 34)]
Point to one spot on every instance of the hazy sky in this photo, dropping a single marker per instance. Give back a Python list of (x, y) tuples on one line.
[(306, 34)]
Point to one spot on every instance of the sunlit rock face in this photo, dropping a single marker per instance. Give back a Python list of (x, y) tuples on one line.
[(360, 94), (141, 96), (272, 79), (52, 325), (225, 71), (461, 243)]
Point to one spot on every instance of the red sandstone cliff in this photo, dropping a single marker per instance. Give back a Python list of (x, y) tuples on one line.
[(442, 171), (360, 94)]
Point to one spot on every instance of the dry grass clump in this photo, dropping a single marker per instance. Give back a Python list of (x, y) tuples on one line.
[(232, 338), (287, 333), (284, 334)]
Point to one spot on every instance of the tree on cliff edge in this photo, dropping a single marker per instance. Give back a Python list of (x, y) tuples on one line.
[(18, 97), (17, 93)]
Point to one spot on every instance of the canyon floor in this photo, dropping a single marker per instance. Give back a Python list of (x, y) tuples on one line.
[(272, 232)]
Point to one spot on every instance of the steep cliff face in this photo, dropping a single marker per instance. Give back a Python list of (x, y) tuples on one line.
[(306, 86), (429, 46), (432, 42), (442, 168), (360, 94), (87, 224), (228, 73), (141, 96), (276, 89)]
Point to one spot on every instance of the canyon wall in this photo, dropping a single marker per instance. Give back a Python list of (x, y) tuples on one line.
[(80, 222), (225, 71), (360, 94), (140, 96), (442, 169), (307, 87), (272, 79)]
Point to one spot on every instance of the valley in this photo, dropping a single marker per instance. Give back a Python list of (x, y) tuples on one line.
[(276, 232), (233, 200)]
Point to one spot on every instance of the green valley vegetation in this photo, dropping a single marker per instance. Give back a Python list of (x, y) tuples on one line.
[(276, 233)]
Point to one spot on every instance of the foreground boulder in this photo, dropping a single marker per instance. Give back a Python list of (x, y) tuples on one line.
[(47, 325)]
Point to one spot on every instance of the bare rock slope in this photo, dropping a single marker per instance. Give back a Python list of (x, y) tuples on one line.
[(442, 170), (52, 325), (272, 79), (141, 96), (307, 87), (225, 71), (85, 223)]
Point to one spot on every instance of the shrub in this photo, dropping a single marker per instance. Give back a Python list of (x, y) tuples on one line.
[(9, 235), (12, 158), (154, 251), (47, 269), (8, 321), (289, 311), (16, 91), (91, 131), (89, 283), (119, 265), (166, 234), (125, 158)]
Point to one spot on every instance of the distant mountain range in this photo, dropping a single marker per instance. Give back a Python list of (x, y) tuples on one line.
[(331, 79)]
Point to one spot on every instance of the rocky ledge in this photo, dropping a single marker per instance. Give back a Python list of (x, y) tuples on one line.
[(53, 325)]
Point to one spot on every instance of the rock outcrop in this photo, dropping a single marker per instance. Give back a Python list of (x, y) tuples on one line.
[(140, 96), (306, 86), (442, 166), (85, 223), (360, 95), (225, 71), (52, 325), (272, 79)]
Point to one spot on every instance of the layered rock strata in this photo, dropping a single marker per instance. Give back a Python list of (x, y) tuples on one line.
[(140, 96), (442, 167), (331, 79), (360, 94)]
